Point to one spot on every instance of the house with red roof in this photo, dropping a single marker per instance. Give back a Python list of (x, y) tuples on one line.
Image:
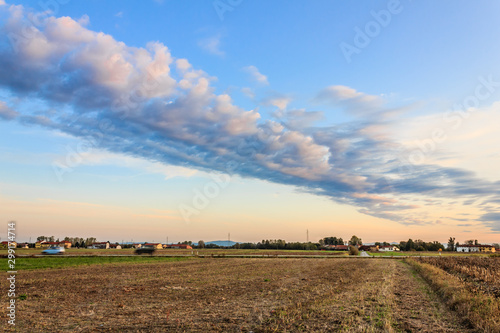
[(388, 248), (179, 246), (5, 244), (65, 244), (157, 246)]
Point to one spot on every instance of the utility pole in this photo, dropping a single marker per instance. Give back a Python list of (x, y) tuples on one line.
[(307, 232)]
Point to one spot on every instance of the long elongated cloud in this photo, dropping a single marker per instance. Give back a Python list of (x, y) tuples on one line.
[(146, 103)]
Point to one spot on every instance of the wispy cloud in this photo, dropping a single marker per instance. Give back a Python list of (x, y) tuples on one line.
[(248, 92), (7, 113), (492, 220), (280, 101), (256, 75), (352, 100), (145, 103), (212, 45), (300, 118)]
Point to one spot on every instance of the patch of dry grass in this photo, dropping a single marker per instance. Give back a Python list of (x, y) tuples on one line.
[(481, 310), (479, 274)]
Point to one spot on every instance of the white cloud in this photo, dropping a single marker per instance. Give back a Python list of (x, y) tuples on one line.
[(256, 75), (119, 14), (462, 138), (2, 2)]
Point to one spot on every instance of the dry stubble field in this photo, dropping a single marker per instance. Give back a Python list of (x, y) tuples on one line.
[(232, 295)]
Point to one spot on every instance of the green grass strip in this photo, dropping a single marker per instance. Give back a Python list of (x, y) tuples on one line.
[(62, 262)]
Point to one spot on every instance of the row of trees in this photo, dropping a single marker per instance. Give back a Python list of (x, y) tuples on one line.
[(355, 240), (410, 245), (75, 241), (268, 244), (420, 245)]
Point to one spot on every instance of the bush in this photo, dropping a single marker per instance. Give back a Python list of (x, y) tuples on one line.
[(353, 251)]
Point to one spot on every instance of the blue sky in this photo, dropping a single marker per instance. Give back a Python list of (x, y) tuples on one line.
[(316, 139)]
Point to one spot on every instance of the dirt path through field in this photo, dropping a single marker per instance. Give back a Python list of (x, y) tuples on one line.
[(232, 295)]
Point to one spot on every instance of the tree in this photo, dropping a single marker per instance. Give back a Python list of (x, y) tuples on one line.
[(469, 242), (201, 244), (353, 251), (89, 241), (451, 244), (435, 246), (355, 241), (476, 242), (332, 241), (410, 245)]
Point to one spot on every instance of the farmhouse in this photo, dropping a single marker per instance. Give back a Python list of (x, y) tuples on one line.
[(475, 248), (100, 245), (387, 248), (336, 247), (179, 246), (65, 244), (45, 244), (154, 245), (115, 246), (5, 244)]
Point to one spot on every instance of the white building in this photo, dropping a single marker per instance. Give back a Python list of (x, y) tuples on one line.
[(388, 248), (475, 248)]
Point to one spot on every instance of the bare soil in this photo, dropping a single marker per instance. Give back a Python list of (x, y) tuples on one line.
[(231, 295)]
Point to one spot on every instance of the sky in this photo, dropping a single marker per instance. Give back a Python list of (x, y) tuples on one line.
[(186, 120)]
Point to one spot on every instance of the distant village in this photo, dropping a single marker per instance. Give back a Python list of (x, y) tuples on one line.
[(326, 244)]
